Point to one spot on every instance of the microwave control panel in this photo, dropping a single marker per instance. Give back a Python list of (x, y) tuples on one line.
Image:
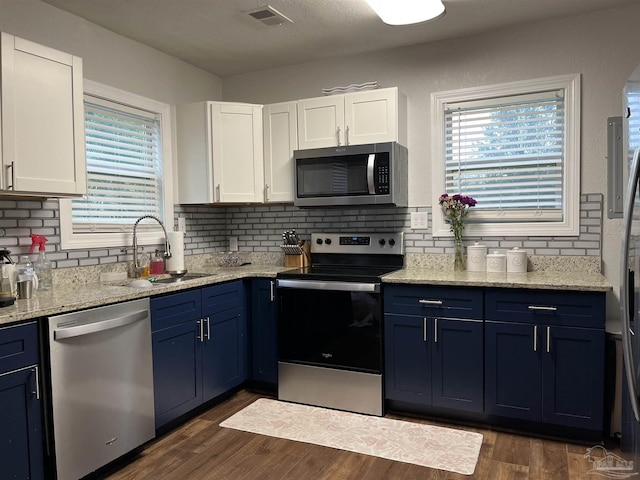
[(382, 176)]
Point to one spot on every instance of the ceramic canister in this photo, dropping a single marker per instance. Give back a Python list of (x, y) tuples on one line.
[(477, 257), (496, 262), (516, 260)]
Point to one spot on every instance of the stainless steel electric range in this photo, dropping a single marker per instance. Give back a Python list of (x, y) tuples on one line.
[(330, 323)]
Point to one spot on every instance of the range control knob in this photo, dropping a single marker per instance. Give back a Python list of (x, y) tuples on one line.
[(319, 241), (382, 242), (392, 242), (327, 241)]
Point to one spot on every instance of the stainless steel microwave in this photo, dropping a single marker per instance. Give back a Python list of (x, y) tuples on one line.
[(372, 174)]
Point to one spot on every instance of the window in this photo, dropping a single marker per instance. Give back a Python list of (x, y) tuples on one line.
[(515, 149), (128, 154)]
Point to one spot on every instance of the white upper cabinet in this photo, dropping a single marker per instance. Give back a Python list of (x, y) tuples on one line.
[(280, 140), (43, 147), (372, 116), (220, 154)]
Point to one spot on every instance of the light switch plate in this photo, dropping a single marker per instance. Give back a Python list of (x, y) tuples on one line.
[(182, 225), (419, 220)]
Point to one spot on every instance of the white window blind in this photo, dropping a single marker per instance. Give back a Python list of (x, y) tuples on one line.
[(508, 153), (124, 167)]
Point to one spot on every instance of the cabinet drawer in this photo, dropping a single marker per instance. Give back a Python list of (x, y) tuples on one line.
[(434, 301), (222, 297), (174, 309), (18, 346), (548, 307)]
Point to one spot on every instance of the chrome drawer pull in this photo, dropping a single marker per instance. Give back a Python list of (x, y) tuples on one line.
[(542, 307), (535, 338), (430, 302)]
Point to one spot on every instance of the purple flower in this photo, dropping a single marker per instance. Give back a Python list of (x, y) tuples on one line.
[(455, 209)]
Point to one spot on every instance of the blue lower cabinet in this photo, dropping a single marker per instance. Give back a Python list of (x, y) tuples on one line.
[(21, 436), (434, 361), (199, 347), (573, 377), (545, 373), (513, 375), (224, 353), (263, 327), (177, 371)]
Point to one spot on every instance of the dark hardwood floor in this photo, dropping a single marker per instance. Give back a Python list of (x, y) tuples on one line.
[(201, 450)]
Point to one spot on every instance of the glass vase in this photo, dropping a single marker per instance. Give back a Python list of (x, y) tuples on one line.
[(458, 259)]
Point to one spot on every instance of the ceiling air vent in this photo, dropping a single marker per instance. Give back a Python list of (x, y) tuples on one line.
[(269, 16)]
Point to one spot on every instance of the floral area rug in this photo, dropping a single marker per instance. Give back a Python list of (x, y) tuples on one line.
[(426, 445)]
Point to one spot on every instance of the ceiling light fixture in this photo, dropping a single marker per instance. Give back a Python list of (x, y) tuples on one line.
[(406, 12)]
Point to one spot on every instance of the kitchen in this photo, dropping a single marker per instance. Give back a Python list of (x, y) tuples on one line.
[(603, 46)]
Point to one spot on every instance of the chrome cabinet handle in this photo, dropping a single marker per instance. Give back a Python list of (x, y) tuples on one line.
[(429, 302), (13, 176), (217, 199), (272, 293), (542, 307), (548, 339), (424, 329), (346, 135), (201, 325), (208, 328), (435, 330), (535, 338), (37, 392), (338, 135), (266, 192)]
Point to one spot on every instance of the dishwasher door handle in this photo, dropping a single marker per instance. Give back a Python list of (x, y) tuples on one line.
[(100, 326)]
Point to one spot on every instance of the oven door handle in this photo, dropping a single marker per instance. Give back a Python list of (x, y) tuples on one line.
[(325, 285)]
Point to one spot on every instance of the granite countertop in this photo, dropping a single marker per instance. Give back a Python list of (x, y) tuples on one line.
[(79, 295), (76, 296), (545, 280)]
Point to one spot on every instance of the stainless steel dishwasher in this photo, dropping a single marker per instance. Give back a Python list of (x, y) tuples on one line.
[(101, 385)]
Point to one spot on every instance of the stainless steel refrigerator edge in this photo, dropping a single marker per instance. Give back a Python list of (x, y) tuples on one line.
[(101, 402), (630, 272)]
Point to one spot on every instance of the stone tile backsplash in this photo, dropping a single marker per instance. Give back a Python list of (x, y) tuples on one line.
[(259, 229)]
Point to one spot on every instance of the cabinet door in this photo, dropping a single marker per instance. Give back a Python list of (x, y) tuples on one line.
[(264, 332), (21, 454), (513, 370), (573, 377), (407, 365), (457, 371), (280, 124), (177, 370), (321, 122), (371, 117), (224, 353), (237, 152), (43, 147)]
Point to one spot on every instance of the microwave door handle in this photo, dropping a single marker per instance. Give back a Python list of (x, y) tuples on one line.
[(371, 162)]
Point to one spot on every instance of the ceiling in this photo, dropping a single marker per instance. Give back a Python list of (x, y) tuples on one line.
[(220, 37)]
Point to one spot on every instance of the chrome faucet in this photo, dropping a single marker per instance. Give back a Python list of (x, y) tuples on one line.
[(167, 248)]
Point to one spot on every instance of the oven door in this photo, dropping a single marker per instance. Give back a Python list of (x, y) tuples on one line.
[(330, 324)]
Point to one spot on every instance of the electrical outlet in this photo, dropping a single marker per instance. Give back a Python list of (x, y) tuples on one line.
[(419, 220), (233, 244), (182, 225)]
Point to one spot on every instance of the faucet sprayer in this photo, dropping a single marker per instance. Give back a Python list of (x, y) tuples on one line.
[(167, 247)]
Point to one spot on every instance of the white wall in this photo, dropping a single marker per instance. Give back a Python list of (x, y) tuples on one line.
[(604, 47)]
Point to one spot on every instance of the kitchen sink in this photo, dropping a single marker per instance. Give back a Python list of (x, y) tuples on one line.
[(183, 278)]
